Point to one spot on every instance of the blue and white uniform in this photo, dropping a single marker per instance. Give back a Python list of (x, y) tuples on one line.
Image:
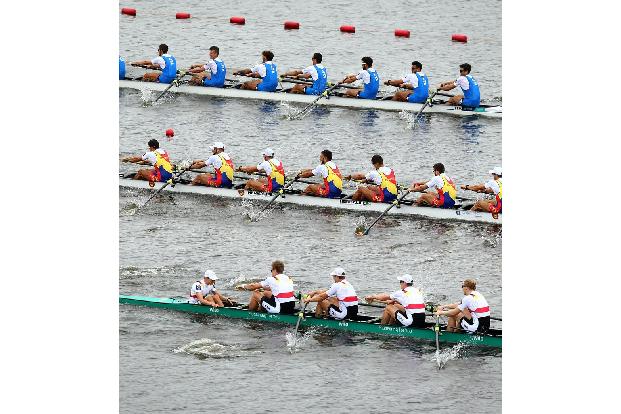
[(269, 76), (420, 85), (121, 68), (168, 64), (319, 75), (218, 73), (371, 81), (470, 88)]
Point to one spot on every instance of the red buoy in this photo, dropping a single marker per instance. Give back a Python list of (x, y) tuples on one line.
[(459, 38), (237, 20), (128, 11), (291, 25), (402, 33), (170, 133), (348, 29), (182, 15)]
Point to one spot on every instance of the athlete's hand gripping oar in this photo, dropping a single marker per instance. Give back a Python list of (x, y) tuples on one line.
[(170, 181), (360, 230), (278, 194), (311, 105), (427, 102), (175, 82)]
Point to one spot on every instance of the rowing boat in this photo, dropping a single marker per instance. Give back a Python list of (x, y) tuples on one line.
[(363, 324), (384, 105), (407, 208)]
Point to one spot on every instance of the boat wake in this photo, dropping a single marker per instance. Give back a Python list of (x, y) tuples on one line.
[(445, 355), (239, 280), (254, 211), (410, 119), (295, 343), (208, 348)]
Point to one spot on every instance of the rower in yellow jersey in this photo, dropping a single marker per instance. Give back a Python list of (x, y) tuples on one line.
[(162, 168), (384, 183), (332, 178), (272, 168), (445, 194), (222, 165), (493, 186)]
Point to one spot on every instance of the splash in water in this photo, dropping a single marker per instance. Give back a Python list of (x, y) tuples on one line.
[(410, 119), (254, 212), (296, 343), (207, 348), (444, 355)]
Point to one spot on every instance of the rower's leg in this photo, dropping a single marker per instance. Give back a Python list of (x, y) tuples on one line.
[(426, 199), (313, 189), (401, 96), (143, 174), (386, 316), (363, 193), (251, 85), (202, 179), (257, 185), (151, 76), (196, 80), (297, 89), (197, 164), (455, 100), (217, 299), (255, 300), (352, 93), (482, 205)]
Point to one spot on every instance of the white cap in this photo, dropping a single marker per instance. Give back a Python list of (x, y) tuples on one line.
[(339, 271), (496, 170), (210, 274), (268, 152), (218, 144), (405, 278)]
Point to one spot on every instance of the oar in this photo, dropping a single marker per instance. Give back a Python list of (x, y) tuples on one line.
[(170, 181), (173, 83), (311, 105), (436, 329), (427, 102), (360, 229), (304, 82), (278, 194), (297, 324)]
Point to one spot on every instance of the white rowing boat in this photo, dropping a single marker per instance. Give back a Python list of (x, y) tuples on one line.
[(406, 209), (388, 105)]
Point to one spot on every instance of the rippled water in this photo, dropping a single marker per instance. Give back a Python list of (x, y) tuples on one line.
[(168, 359)]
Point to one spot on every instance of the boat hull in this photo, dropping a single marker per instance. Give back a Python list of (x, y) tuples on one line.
[(182, 305)]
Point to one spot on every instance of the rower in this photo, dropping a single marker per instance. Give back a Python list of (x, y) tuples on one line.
[(272, 168), (162, 168), (384, 183), (446, 191), (316, 71), (222, 165), (472, 314), (267, 71), (277, 295), (471, 97), (164, 62), (416, 83), (332, 178), (406, 307), (212, 73), (339, 301), (121, 68), (493, 186), (205, 292), (369, 77)]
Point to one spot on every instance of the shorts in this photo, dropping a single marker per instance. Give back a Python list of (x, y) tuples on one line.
[(382, 196), (274, 189), (367, 94), (165, 79), (330, 192), (415, 320), (448, 202), (312, 91), (266, 87), (214, 83), (271, 305), (475, 325), (161, 176), (343, 312), (412, 98), (470, 103), (495, 208)]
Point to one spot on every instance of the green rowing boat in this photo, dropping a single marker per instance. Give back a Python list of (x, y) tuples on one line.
[(364, 324)]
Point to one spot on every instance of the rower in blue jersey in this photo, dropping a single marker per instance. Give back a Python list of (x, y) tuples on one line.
[(121, 68), (267, 71), (370, 79), (471, 97), (164, 62), (317, 72), (212, 73), (416, 85)]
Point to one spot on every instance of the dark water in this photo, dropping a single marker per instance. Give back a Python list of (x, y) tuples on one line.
[(172, 362)]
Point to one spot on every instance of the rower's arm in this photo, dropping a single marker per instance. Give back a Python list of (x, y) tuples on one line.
[(315, 292), (145, 64), (379, 296), (197, 165), (393, 82), (356, 176), (248, 169), (317, 298), (306, 173), (418, 187), (135, 159), (447, 86), (251, 286), (349, 79), (294, 72), (479, 188), (243, 72), (203, 300)]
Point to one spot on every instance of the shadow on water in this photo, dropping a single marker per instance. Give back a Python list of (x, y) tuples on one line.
[(472, 129)]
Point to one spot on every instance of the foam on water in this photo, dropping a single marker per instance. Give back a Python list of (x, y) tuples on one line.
[(296, 343), (254, 211), (447, 354), (207, 348)]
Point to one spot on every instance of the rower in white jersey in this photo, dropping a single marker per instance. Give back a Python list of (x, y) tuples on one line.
[(339, 301), (416, 85), (370, 80), (445, 194), (317, 72), (273, 170), (472, 314), (222, 165), (405, 306), (267, 71), (277, 295), (382, 178), (493, 186), (211, 74), (205, 292)]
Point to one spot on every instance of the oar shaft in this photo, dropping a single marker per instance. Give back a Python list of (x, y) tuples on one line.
[(396, 202)]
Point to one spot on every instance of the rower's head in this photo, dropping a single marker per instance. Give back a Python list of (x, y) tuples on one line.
[(338, 274), (162, 49), (210, 277), (325, 156), (438, 168), (496, 172), (469, 286), (217, 148), (464, 69), (278, 267), (416, 66), (153, 144), (268, 154), (405, 280), (367, 62), (317, 58), (214, 52), (377, 161), (267, 56)]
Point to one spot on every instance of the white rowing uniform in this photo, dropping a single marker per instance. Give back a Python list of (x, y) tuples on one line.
[(261, 69), (201, 287), (375, 176), (216, 161), (412, 300), (266, 166), (411, 79), (493, 185), (348, 300), (150, 156), (282, 291), (479, 309)]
